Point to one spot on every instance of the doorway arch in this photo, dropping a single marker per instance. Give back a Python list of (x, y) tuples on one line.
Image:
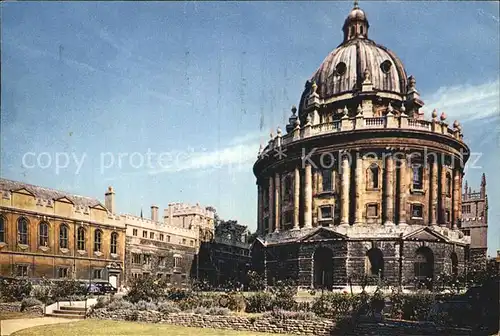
[(323, 268), (374, 265), (424, 266)]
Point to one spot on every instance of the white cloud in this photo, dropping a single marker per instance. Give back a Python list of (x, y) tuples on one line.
[(466, 102)]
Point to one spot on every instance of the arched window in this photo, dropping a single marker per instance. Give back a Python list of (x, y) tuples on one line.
[(81, 239), (372, 176), (352, 30), (448, 184), (22, 231), (63, 236), (361, 29), (418, 177), (327, 179), (2, 229), (424, 266), (43, 234), (114, 243), (97, 240)]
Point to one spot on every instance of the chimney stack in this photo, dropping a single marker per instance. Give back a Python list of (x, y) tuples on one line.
[(109, 200), (154, 213)]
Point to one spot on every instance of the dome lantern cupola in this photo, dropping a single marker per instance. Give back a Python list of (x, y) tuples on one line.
[(356, 25)]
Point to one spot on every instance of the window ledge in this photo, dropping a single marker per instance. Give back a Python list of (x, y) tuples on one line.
[(44, 248), (2, 245), (81, 252), (373, 189), (418, 191), (418, 218), (64, 250), (97, 253), (114, 255), (325, 193), (23, 246)]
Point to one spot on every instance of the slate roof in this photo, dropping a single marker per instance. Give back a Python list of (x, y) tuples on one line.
[(46, 193)]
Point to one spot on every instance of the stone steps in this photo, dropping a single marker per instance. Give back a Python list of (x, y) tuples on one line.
[(69, 312)]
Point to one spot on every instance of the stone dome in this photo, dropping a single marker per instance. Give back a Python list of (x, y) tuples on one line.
[(358, 58)]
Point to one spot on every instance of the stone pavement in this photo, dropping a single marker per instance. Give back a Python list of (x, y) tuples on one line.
[(8, 327)]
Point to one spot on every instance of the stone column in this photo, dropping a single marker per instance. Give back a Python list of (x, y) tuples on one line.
[(358, 182), (308, 196), (460, 174), (277, 203), (260, 209), (389, 190), (344, 197), (296, 199), (433, 191), (403, 189), (271, 205), (442, 196), (455, 199)]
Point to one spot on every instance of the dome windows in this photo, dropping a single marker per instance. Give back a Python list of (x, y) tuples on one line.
[(340, 69), (386, 66)]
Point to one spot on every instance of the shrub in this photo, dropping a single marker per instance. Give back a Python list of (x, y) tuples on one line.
[(132, 315), (119, 304), (218, 311), (42, 293), (190, 302), (15, 289), (259, 302), (146, 288), (176, 294), (68, 287), (167, 307), (236, 302), (256, 281), (284, 295), (101, 302), (145, 305), (417, 306), (30, 302), (290, 315), (335, 304)]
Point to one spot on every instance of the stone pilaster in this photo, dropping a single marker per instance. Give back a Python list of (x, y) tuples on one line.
[(344, 198), (442, 196), (277, 203), (459, 219), (271, 205), (260, 209), (296, 199), (389, 190), (308, 196), (433, 191), (455, 200), (403, 189), (358, 182)]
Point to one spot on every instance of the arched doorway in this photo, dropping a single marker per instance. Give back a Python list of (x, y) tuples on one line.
[(323, 268), (454, 264), (374, 265), (424, 266)]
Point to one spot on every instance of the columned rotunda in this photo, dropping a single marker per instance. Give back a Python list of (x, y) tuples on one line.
[(360, 183)]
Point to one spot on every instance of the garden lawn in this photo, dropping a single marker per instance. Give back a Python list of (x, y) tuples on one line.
[(102, 327)]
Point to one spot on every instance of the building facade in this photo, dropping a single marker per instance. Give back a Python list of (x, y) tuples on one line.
[(225, 260), (167, 247), (53, 234), (474, 222), (361, 183)]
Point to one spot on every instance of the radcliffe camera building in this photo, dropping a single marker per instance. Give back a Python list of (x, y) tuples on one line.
[(362, 183)]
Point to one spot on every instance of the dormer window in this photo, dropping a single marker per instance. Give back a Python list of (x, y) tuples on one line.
[(386, 66), (341, 68)]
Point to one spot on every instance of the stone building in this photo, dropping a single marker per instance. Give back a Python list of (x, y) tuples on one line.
[(361, 183), (54, 234), (166, 247), (225, 260), (474, 221)]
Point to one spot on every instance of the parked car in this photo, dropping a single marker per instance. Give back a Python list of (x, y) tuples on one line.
[(93, 289), (106, 288)]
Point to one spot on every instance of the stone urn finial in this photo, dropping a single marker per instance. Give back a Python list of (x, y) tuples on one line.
[(359, 110), (294, 110), (346, 111), (390, 109), (443, 116), (403, 108), (308, 119), (314, 87), (434, 114), (271, 135), (412, 83), (366, 76), (456, 124), (278, 131)]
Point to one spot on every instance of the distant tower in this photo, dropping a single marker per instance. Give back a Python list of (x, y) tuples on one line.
[(475, 221)]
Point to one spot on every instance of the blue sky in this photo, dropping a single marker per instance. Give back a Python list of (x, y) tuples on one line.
[(196, 81)]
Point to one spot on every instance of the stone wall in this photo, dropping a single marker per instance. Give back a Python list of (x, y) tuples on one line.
[(14, 307), (296, 327)]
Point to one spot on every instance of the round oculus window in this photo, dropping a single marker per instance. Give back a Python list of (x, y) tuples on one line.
[(386, 66), (340, 69)]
